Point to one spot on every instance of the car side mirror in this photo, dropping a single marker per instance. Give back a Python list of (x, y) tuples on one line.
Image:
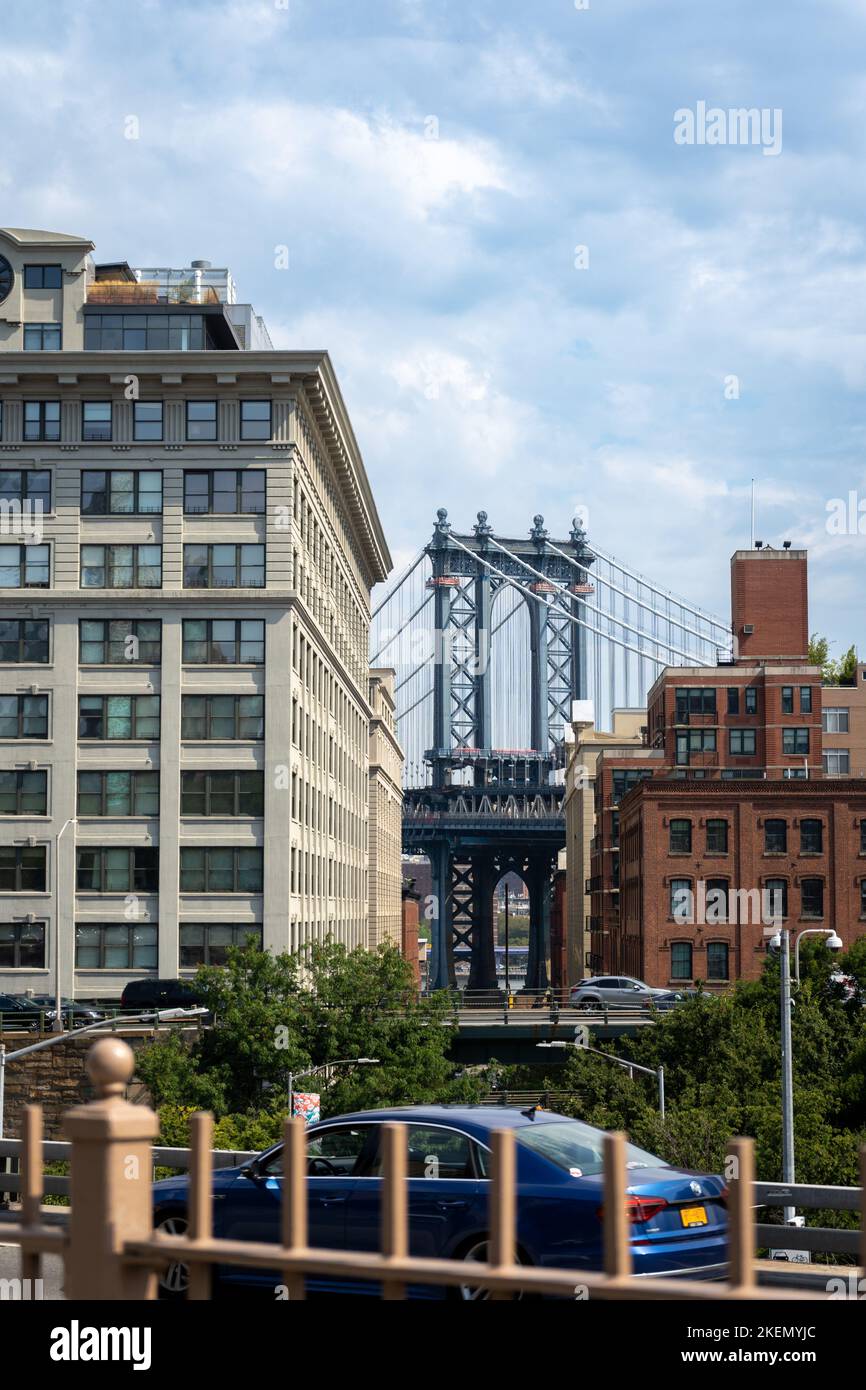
[(251, 1171)]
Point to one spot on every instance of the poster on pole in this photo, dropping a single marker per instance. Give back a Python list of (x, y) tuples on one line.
[(306, 1107)]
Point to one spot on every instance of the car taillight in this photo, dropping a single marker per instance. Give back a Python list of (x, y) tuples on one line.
[(640, 1209)]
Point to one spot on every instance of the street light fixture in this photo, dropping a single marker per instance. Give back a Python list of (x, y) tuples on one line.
[(325, 1066), (631, 1067)]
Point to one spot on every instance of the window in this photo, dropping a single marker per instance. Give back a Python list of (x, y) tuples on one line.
[(23, 869), (224, 566), (145, 332), (837, 762), (119, 492), (787, 699), (694, 700), (96, 422), (834, 720), (742, 742), (22, 945), (717, 900), (733, 700), (207, 943), (121, 567), (23, 716), (23, 793), (201, 420), (795, 740), (25, 566), (224, 491), (718, 953), (118, 793), (694, 741), (255, 419), (224, 641), (795, 774), (681, 960), (146, 420), (118, 716), (811, 837), (775, 836), (42, 421), (115, 946), (133, 870), (681, 904), (717, 837), (863, 836), (805, 699), (223, 716), (23, 641), (439, 1154), (626, 778), (680, 837), (335, 1152), (29, 488), (119, 642), (43, 277), (811, 897), (42, 337), (751, 700), (863, 897), (221, 870), (774, 907), (222, 793)]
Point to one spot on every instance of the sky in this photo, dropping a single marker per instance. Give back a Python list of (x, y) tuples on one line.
[(537, 298)]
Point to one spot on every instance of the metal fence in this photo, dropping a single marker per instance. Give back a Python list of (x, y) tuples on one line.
[(111, 1252)]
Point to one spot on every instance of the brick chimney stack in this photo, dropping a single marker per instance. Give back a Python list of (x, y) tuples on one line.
[(770, 606)]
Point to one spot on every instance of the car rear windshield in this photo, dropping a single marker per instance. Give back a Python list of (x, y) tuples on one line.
[(578, 1147)]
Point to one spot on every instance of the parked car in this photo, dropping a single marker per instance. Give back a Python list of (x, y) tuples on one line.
[(80, 1014), (613, 992), (18, 1013), (679, 1219), (668, 999), (158, 994)]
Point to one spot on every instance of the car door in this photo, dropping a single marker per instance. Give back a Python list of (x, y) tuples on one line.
[(252, 1209), (445, 1195)]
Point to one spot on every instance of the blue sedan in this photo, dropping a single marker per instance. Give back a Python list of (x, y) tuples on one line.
[(679, 1225)]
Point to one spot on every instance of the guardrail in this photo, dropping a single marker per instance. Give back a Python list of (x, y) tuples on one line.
[(60, 1151)]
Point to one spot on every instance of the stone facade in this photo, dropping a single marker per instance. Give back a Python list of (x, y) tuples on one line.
[(386, 807)]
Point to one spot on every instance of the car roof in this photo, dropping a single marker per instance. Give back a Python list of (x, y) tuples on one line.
[(481, 1117)]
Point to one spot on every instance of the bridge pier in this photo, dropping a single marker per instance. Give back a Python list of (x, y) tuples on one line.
[(482, 968)]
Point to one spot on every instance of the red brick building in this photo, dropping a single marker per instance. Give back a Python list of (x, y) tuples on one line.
[(728, 803)]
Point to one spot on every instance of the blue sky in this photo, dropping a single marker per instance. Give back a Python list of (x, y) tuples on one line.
[(432, 166)]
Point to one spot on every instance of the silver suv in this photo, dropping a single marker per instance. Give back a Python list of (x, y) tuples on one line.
[(613, 992)]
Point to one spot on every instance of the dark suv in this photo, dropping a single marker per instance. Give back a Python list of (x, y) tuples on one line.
[(159, 994)]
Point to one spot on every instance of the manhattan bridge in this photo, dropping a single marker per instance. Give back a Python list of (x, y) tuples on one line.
[(492, 638)]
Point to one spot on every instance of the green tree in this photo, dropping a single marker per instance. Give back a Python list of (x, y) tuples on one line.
[(833, 671), (279, 1014)]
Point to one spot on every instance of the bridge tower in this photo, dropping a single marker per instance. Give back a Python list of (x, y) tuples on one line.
[(487, 811)]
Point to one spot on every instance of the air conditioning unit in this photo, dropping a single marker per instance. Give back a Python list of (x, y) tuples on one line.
[(748, 629)]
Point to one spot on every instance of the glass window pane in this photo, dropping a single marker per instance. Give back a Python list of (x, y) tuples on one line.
[(117, 793), (117, 871), (192, 871), (220, 871)]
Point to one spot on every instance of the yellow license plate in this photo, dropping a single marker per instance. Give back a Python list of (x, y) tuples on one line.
[(694, 1216)]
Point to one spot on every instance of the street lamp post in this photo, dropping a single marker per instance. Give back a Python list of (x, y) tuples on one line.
[(325, 1066), (154, 1016), (782, 943), (631, 1067), (57, 1026)]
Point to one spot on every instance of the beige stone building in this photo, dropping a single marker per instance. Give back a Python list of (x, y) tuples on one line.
[(584, 748), (187, 546), (386, 809), (843, 719)]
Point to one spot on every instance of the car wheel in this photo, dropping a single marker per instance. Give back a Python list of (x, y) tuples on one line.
[(477, 1253), (589, 1005), (174, 1280)]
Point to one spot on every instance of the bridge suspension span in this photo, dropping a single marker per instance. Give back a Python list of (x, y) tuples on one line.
[(492, 639)]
